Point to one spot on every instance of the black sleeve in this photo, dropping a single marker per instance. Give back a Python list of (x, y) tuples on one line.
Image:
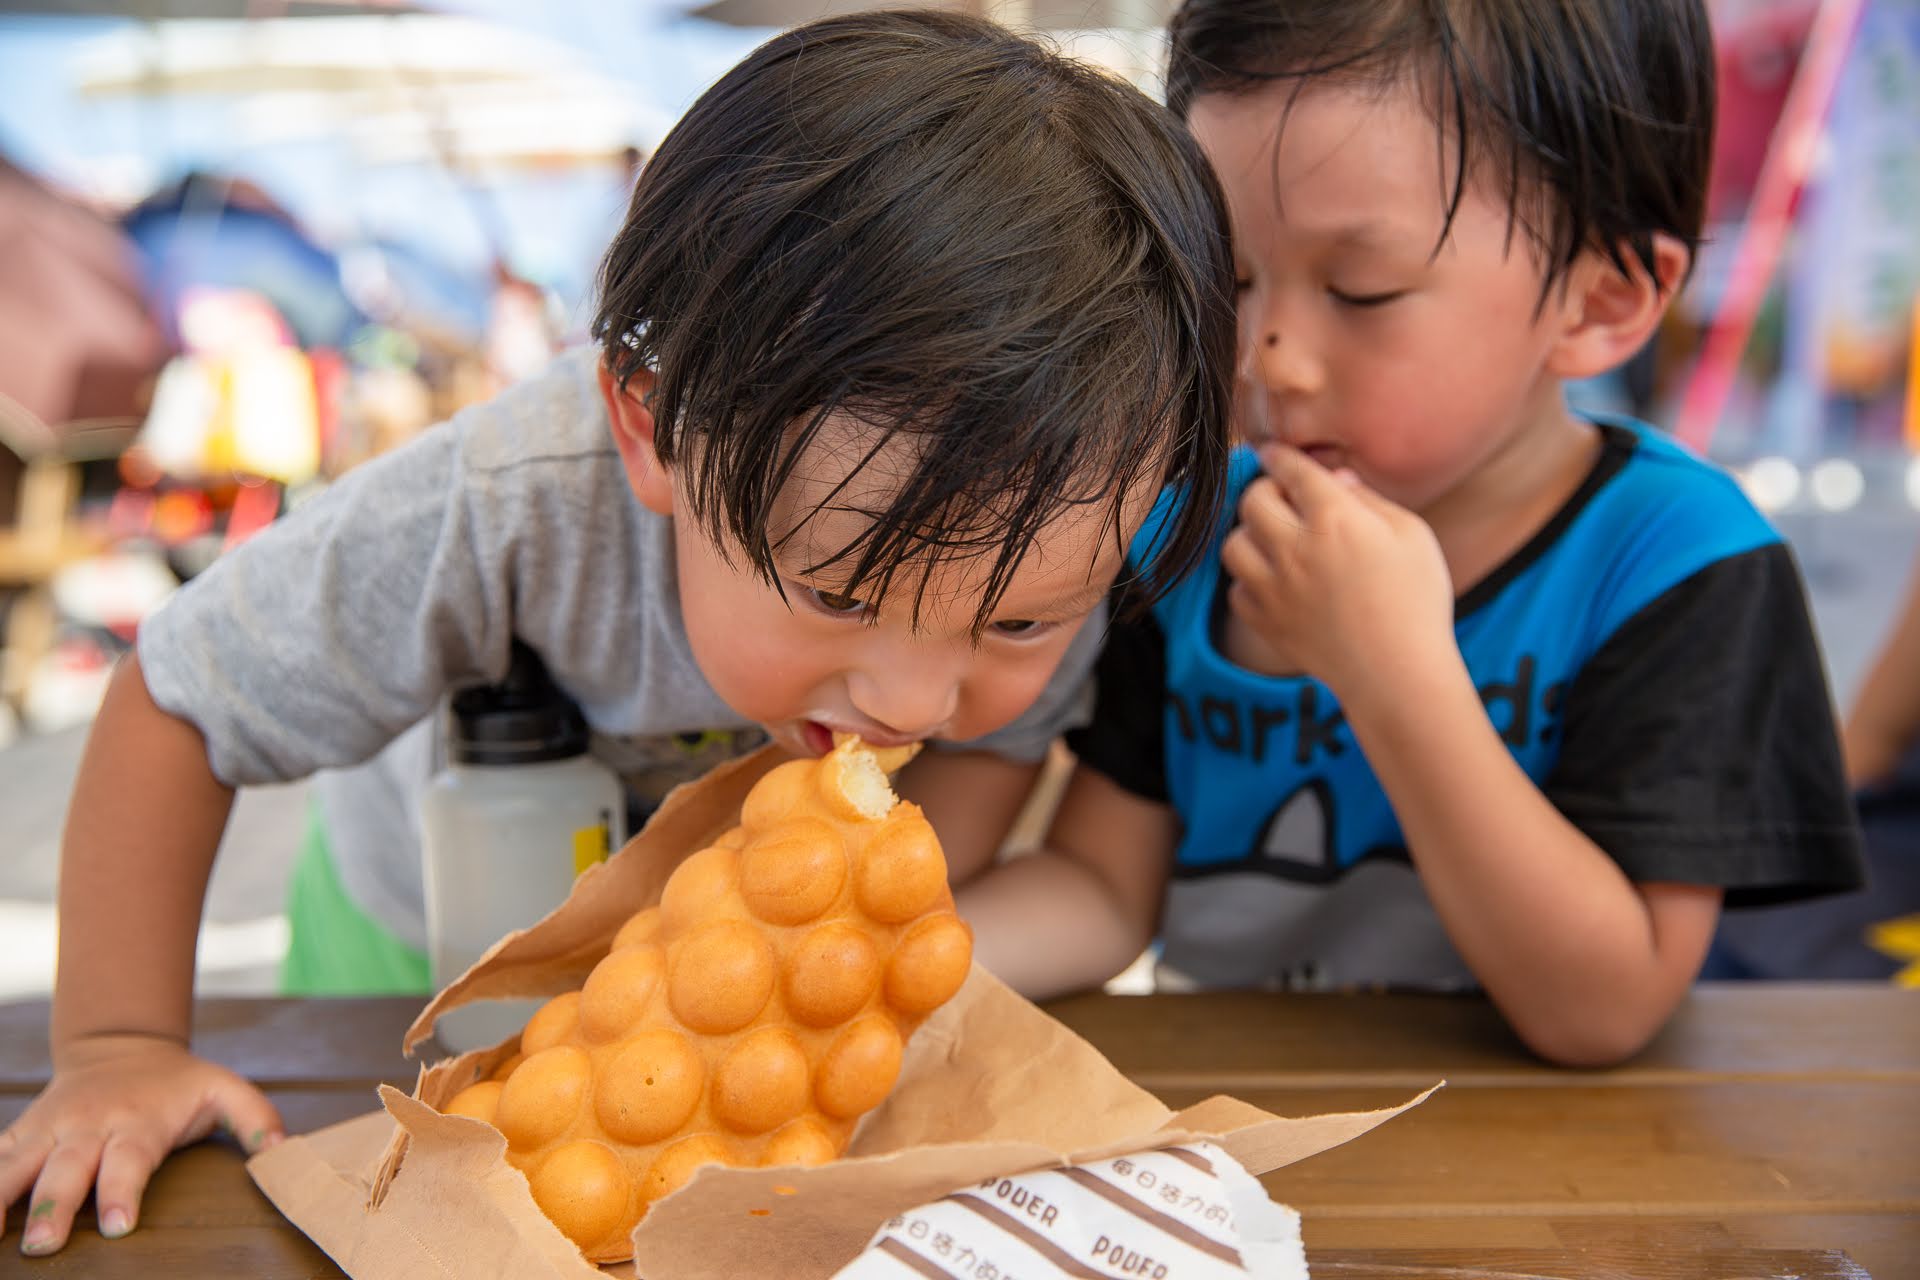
[(1125, 739), (1700, 744)]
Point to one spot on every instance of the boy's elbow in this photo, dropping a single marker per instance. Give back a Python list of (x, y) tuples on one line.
[(1119, 945), (1589, 1040), (1125, 953), (1100, 952)]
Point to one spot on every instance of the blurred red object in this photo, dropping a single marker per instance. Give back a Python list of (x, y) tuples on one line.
[(1787, 165), (1757, 50), (76, 341)]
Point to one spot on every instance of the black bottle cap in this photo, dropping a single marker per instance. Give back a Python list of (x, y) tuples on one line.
[(524, 719)]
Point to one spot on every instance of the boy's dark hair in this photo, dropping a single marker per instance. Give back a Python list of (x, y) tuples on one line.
[(1597, 117), (1013, 263)]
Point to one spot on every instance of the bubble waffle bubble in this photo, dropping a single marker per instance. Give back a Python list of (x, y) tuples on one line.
[(751, 1017)]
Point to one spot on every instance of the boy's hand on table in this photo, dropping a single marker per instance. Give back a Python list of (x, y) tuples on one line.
[(1345, 583), (116, 1106)]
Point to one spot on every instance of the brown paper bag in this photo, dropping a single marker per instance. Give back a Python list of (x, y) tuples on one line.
[(990, 1086)]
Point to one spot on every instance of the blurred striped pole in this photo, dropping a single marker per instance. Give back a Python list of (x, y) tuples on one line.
[(1783, 176)]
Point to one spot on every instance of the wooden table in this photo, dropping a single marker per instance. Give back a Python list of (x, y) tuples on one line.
[(1771, 1132)]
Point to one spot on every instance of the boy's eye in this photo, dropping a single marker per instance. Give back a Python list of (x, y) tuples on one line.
[(834, 602), (1365, 299), (1241, 284), (1025, 628)]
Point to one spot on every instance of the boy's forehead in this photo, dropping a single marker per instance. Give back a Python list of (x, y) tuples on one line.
[(1362, 166), (844, 476), (847, 467), (850, 475)]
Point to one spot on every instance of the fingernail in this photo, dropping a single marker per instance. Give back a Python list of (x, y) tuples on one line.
[(115, 1224), (39, 1239)]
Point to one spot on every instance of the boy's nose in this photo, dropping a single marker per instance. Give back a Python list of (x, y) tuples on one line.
[(912, 700), (1285, 366)]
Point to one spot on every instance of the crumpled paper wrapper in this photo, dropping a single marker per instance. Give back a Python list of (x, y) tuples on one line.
[(990, 1087)]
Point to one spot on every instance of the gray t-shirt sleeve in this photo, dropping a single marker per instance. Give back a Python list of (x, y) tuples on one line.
[(319, 640), (1066, 702)]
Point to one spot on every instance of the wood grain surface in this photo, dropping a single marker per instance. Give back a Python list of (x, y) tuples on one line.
[(1771, 1132)]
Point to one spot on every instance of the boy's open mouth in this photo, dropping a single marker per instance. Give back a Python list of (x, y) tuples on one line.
[(817, 737)]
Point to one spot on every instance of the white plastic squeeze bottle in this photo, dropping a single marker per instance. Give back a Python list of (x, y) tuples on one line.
[(519, 810)]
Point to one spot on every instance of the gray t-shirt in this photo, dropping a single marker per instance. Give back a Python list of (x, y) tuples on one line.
[(328, 641)]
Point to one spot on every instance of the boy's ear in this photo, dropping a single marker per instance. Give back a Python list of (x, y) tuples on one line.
[(632, 424), (1610, 315)]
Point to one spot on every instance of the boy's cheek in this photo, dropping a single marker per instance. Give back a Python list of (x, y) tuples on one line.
[(758, 661), (1006, 689)]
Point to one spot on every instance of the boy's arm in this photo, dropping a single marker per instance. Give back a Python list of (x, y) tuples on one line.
[(145, 821), (313, 645), (1698, 745), (1885, 717), (1083, 908), (142, 828), (1584, 963), (346, 621)]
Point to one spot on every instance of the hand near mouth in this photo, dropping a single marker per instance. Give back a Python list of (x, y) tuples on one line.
[(1347, 585)]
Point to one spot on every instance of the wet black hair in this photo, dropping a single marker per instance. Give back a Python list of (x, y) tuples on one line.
[(1008, 261), (1596, 116)]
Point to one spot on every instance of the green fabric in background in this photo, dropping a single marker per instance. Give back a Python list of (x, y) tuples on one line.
[(337, 949)]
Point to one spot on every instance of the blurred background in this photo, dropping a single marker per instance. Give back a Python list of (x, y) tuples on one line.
[(246, 245)]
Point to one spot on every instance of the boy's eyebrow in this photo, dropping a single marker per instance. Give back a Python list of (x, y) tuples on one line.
[(1362, 233), (1372, 233), (1368, 233), (1071, 605), (1068, 606)]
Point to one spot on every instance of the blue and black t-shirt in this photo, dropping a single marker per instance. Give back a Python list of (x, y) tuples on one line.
[(1648, 658)]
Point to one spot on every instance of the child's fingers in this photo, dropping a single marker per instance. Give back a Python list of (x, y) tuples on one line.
[(1267, 517), (126, 1166), (247, 1115), (1307, 486), (21, 1156), (1370, 498), (1241, 603), (1243, 560), (59, 1192)]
